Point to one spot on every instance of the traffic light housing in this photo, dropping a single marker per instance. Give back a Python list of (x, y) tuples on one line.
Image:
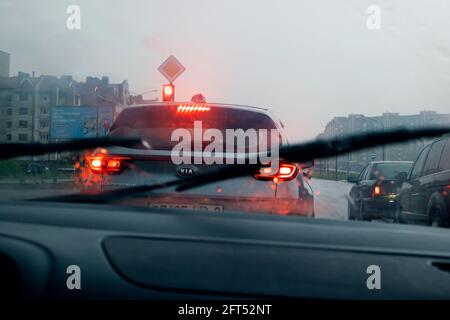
[(168, 92)]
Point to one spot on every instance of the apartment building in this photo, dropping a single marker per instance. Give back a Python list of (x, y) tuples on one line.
[(359, 123), (26, 102)]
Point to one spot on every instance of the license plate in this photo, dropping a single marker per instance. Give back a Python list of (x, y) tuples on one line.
[(196, 207)]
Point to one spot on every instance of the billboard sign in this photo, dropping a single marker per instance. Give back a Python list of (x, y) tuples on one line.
[(78, 122)]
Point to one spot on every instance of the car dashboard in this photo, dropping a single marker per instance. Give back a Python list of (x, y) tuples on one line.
[(139, 253)]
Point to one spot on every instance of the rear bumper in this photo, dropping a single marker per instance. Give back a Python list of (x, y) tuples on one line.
[(383, 207), (302, 207)]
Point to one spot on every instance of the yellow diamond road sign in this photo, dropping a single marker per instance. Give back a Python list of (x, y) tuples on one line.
[(171, 68)]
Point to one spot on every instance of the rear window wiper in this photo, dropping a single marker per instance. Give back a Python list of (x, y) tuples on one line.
[(12, 150), (300, 152)]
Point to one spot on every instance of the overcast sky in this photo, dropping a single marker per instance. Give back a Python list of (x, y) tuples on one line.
[(306, 60)]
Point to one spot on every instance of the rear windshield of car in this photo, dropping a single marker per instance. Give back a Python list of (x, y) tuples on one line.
[(155, 124), (388, 171)]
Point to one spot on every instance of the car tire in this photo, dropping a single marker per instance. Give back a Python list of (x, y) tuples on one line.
[(397, 214), (361, 212), (434, 218), (350, 211)]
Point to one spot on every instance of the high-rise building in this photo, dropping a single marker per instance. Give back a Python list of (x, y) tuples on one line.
[(358, 123)]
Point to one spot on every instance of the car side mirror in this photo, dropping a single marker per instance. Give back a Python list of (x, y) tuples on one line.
[(402, 176), (307, 164), (307, 174), (352, 179)]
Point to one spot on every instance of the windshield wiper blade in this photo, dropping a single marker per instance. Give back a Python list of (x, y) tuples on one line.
[(308, 151), (295, 153), (12, 150), (109, 195), (349, 143)]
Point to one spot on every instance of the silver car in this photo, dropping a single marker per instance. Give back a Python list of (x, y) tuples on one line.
[(285, 192)]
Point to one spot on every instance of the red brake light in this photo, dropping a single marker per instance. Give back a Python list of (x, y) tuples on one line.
[(114, 164), (192, 108), (286, 172), (95, 163), (100, 163), (376, 190)]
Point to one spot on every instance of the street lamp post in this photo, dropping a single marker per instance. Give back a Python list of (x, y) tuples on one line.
[(336, 157), (336, 168)]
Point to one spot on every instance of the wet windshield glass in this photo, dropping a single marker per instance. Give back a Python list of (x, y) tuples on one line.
[(213, 87), (389, 171)]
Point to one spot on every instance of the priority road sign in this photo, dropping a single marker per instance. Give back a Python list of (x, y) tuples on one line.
[(171, 68)]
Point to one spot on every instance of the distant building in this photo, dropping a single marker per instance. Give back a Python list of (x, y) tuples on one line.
[(99, 92), (26, 102), (4, 64), (139, 99), (358, 123)]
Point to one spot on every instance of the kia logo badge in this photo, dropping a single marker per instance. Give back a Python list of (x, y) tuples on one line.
[(186, 171)]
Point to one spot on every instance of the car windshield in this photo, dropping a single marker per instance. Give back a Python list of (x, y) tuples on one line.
[(388, 171), (216, 92)]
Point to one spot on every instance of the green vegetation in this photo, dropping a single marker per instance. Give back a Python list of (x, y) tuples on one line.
[(14, 171), (10, 168)]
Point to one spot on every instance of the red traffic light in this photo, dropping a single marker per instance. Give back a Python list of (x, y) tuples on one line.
[(168, 92)]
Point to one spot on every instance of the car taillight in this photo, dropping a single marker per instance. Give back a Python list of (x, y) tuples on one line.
[(188, 108), (105, 163), (285, 172), (376, 190)]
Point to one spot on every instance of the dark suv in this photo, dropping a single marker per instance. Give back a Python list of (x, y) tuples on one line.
[(424, 196), (374, 193)]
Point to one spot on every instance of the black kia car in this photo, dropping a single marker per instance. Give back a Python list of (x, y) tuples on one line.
[(374, 193), (424, 195)]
